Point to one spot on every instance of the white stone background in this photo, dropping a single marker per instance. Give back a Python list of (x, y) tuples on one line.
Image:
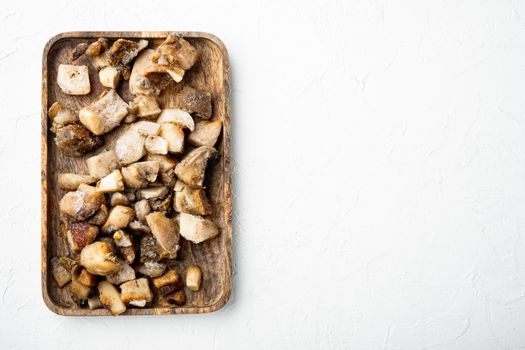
[(379, 175)]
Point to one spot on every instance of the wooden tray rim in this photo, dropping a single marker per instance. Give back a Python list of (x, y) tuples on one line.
[(223, 300)]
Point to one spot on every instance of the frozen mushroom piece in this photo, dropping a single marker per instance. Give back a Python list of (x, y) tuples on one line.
[(151, 269), (138, 83), (118, 198), (75, 140), (109, 77), (177, 116), (168, 283), (82, 203), (165, 231), (174, 136), (136, 292), (142, 209), (166, 162), (196, 228), (78, 51), (129, 147), (178, 298), (105, 114), (100, 259), (100, 216), (156, 145), (79, 292), (71, 181), (110, 298), (73, 80), (97, 47), (174, 56), (190, 200), (154, 192), (192, 168), (80, 234), (102, 164), (193, 276), (195, 101), (61, 269), (119, 218), (61, 116), (140, 174), (126, 273), (112, 182), (94, 303), (139, 228), (123, 51), (206, 133), (147, 106), (87, 278)]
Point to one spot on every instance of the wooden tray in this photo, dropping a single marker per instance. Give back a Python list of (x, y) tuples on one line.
[(210, 73)]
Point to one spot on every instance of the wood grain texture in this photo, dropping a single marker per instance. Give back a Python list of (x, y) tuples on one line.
[(210, 73)]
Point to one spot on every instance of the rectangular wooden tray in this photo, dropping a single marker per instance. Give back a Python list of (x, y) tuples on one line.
[(211, 73)]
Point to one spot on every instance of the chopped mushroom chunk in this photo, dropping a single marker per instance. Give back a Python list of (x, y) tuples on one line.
[(147, 106), (165, 231), (105, 114), (79, 291), (80, 234), (151, 269), (156, 145), (190, 200), (111, 183), (140, 174), (193, 276), (126, 273), (195, 101), (102, 164), (153, 192), (129, 147), (168, 283), (99, 259), (118, 198), (205, 134), (110, 298), (82, 203), (136, 292), (100, 216), (119, 218), (192, 168), (174, 136), (123, 51), (138, 83), (142, 209), (178, 298), (177, 116), (61, 269), (109, 77), (73, 80), (196, 228), (74, 140), (71, 181)]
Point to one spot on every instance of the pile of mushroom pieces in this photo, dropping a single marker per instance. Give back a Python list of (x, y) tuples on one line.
[(123, 219)]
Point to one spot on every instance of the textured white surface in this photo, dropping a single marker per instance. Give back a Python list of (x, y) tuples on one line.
[(379, 175)]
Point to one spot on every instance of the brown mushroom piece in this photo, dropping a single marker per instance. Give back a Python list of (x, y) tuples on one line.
[(105, 114), (61, 116), (100, 216), (124, 245), (165, 231), (119, 218), (206, 133), (80, 234), (178, 298), (139, 228), (61, 269), (79, 292), (126, 273), (123, 51), (192, 168), (110, 298), (82, 203), (195, 101), (193, 277), (190, 200), (162, 204), (196, 228), (102, 164), (78, 51), (151, 250), (140, 174), (74, 140), (168, 283), (174, 56), (71, 181), (87, 278), (136, 292), (97, 47), (100, 259)]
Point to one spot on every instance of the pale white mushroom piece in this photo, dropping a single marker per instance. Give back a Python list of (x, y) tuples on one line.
[(109, 77), (105, 114), (165, 231), (138, 83), (151, 269), (140, 174), (178, 116), (147, 106), (129, 147), (206, 133), (190, 200), (192, 168), (136, 292), (156, 145), (73, 80), (99, 259), (111, 183), (82, 203), (94, 303), (174, 135), (153, 192), (126, 273), (193, 276), (102, 164), (110, 297), (122, 239), (71, 181), (119, 218), (142, 209), (118, 198), (196, 228), (166, 162)]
